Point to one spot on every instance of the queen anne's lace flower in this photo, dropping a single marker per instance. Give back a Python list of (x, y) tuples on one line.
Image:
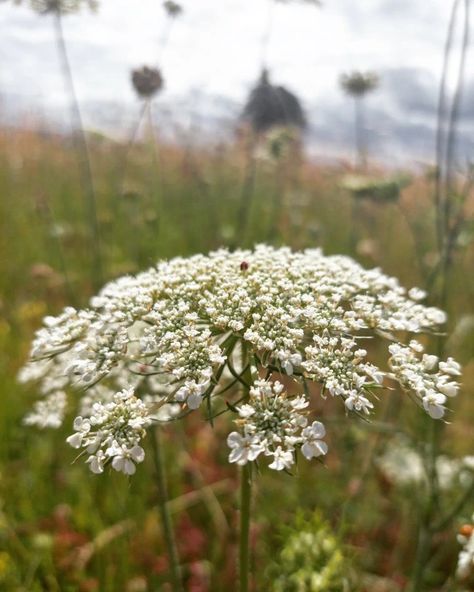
[(175, 335), (416, 372), (275, 425), (113, 433), (48, 412)]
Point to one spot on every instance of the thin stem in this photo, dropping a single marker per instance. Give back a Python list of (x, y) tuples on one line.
[(124, 161), (359, 133), (267, 33), (446, 520), (244, 541), (440, 127), (453, 120), (62, 260), (245, 498), (157, 181), (422, 555), (415, 236), (165, 513), (82, 148), (247, 192)]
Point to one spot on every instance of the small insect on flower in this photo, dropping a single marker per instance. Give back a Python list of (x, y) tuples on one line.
[(244, 266)]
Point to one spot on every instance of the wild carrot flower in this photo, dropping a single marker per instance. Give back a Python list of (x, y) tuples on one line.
[(112, 432), (275, 424), (402, 464), (155, 346)]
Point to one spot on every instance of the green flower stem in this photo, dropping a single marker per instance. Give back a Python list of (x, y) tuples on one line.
[(165, 513), (424, 542), (245, 490), (245, 502)]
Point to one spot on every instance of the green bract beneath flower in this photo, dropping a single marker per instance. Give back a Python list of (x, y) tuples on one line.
[(186, 330)]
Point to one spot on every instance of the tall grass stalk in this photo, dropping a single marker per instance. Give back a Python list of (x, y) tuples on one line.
[(440, 127), (448, 226), (82, 151), (453, 120)]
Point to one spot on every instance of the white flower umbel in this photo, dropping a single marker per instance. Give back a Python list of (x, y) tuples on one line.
[(177, 332), (403, 465), (48, 412), (113, 433), (275, 425), (418, 373)]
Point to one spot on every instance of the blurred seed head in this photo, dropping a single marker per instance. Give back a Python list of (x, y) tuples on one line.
[(60, 6), (271, 106), (357, 84), (147, 82), (314, 2), (173, 9)]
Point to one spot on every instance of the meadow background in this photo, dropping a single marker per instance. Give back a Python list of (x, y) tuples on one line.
[(64, 529)]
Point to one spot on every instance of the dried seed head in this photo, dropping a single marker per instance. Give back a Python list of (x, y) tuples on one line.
[(147, 81), (358, 84), (61, 6), (173, 9)]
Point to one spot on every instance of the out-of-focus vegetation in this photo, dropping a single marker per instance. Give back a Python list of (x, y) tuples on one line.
[(64, 529)]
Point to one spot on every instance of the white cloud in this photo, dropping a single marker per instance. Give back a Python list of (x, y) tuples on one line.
[(215, 48)]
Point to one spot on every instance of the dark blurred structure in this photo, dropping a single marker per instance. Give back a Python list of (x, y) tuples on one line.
[(147, 81), (271, 106), (358, 84), (59, 6), (173, 9)]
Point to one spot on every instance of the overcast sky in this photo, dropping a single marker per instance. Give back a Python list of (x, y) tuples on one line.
[(214, 54)]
